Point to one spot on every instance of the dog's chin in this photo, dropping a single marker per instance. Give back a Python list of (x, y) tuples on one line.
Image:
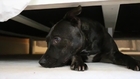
[(52, 64)]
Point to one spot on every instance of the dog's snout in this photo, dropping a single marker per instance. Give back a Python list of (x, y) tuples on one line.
[(42, 62)]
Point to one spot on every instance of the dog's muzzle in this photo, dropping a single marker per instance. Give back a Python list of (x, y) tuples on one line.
[(50, 62)]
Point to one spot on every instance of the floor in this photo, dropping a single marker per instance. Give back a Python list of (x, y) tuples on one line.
[(30, 69)]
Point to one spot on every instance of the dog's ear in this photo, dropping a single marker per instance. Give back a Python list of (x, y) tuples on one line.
[(72, 16)]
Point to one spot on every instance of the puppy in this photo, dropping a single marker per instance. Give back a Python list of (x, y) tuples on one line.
[(73, 38)]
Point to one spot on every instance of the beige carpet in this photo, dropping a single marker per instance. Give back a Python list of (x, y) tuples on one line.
[(30, 69)]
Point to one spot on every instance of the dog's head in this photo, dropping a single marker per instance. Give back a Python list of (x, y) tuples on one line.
[(64, 40)]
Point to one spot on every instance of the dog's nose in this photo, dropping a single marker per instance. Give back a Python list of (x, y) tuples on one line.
[(42, 61)]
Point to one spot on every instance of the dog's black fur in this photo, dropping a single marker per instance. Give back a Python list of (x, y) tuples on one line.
[(72, 39)]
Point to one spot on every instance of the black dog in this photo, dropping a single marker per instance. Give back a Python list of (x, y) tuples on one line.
[(72, 39)]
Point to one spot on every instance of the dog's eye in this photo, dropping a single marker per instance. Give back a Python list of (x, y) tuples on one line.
[(56, 40)]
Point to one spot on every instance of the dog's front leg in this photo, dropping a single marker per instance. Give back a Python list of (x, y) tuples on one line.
[(78, 64)]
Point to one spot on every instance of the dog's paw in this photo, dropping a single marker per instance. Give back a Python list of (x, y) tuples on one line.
[(79, 67), (134, 65)]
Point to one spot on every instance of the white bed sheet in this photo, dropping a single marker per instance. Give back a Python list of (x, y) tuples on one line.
[(30, 69)]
